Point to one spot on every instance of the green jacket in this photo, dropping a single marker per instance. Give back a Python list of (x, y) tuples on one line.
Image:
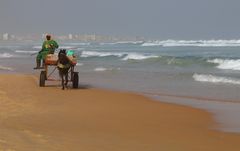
[(50, 46)]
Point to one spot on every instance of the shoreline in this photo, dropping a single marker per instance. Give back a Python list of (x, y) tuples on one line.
[(97, 119)]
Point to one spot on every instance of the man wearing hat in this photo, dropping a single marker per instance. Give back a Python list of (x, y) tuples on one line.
[(48, 47)]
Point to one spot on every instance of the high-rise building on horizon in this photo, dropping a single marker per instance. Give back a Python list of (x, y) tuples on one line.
[(5, 36)]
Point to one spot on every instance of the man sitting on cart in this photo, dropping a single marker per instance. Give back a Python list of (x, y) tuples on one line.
[(49, 46)]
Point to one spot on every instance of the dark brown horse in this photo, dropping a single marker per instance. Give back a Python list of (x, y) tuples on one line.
[(63, 65)]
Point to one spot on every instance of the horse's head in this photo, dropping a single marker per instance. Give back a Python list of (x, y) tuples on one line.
[(62, 57)]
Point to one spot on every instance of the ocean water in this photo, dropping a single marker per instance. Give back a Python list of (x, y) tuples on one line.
[(203, 74)]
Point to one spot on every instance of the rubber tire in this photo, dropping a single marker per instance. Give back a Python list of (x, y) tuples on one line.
[(42, 78), (75, 80)]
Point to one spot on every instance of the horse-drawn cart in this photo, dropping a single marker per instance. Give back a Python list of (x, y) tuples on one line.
[(51, 60)]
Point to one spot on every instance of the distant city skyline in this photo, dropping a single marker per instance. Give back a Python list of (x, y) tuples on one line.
[(159, 19), (70, 37)]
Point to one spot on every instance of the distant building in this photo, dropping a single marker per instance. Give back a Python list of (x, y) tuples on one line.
[(70, 36), (5, 36)]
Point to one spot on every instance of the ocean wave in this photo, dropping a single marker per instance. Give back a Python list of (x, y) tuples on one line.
[(226, 63), (79, 44), (9, 47), (215, 79), (194, 43), (25, 51), (123, 42), (37, 47), (67, 47), (6, 68), (86, 54), (100, 69), (79, 64), (137, 56), (6, 55), (61, 47), (123, 55)]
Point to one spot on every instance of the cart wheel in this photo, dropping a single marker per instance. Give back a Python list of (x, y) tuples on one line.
[(75, 80), (42, 78)]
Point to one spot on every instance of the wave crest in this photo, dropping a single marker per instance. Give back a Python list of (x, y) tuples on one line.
[(215, 79), (195, 43), (5, 68), (137, 56), (86, 54), (226, 63), (25, 51), (5, 55)]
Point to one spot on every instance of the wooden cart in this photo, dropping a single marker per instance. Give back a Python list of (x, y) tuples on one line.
[(51, 60)]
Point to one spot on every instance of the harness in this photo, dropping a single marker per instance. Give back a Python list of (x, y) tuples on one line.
[(62, 66)]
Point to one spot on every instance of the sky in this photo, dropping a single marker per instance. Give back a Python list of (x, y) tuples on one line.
[(163, 19)]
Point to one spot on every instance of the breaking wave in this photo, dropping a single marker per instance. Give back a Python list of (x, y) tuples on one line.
[(5, 68), (226, 63), (123, 42), (195, 43), (123, 55), (5, 55), (86, 54), (215, 79), (100, 69), (25, 52), (79, 64), (79, 44), (61, 47), (37, 47), (137, 56)]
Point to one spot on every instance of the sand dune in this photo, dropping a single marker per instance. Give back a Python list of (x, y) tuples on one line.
[(49, 119)]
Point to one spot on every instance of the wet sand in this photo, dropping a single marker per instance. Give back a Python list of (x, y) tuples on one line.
[(88, 119)]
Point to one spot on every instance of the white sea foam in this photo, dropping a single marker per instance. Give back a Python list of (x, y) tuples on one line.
[(79, 44), (100, 69), (154, 43), (5, 55), (37, 47), (6, 68), (25, 51), (215, 79), (86, 54), (79, 64), (61, 47), (196, 43), (137, 56), (9, 47), (66, 47), (226, 63), (123, 42)]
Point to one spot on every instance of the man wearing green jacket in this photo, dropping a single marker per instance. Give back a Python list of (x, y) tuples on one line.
[(48, 47)]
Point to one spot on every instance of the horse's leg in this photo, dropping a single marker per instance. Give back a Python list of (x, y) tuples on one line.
[(66, 78), (62, 81)]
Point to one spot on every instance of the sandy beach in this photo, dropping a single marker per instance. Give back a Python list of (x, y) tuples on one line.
[(89, 119)]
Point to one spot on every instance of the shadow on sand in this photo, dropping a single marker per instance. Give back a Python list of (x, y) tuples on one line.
[(80, 86)]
